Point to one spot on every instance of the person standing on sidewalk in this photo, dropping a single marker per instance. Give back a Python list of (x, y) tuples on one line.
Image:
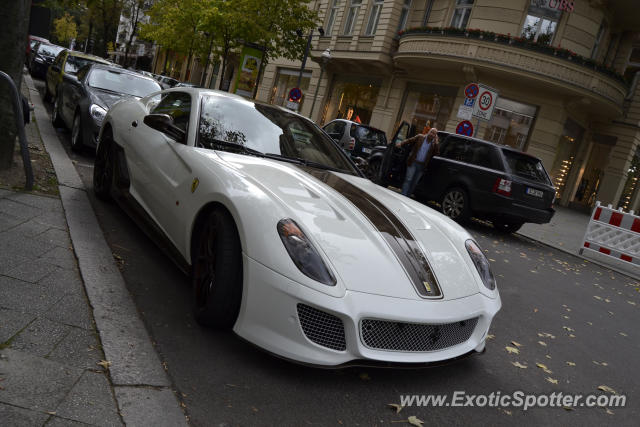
[(424, 147)]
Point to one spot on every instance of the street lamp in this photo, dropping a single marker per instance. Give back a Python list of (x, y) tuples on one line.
[(326, 56), (306, 51)]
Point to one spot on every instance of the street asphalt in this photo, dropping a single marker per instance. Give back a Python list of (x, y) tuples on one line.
[(576, 319)]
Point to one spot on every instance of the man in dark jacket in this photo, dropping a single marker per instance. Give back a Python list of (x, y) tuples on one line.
[(424, 147)]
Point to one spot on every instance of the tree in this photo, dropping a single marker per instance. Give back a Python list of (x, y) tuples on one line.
[(14, 18), (65, 29), (133, 11)]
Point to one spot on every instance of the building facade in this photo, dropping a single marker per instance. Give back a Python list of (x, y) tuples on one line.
[(140, 52), (565, 72)]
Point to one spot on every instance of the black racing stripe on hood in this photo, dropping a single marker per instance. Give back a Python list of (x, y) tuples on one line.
[(391, 228)]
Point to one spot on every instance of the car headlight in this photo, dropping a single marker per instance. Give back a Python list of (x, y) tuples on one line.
[(98, 113), (482, 264), (39, 59), (302, 252)]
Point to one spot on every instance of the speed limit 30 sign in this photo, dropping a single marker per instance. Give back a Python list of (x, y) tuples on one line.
[(485, 103)]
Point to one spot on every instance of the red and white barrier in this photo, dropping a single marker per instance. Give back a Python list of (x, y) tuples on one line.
[(614, 235)]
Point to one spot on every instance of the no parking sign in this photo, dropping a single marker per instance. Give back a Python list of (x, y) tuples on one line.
[(465, 128)]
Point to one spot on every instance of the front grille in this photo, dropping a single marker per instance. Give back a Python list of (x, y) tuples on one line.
[(398, 336), (322, 328)]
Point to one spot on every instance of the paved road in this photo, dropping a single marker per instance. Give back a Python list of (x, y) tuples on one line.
[(557, 307)]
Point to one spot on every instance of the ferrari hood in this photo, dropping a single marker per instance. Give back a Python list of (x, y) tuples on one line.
[(376, 241)]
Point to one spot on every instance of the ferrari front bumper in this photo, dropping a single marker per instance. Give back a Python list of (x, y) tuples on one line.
[(269, 317)]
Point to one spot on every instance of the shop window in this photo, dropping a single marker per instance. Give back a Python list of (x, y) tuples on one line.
[(286, 80), (333, 12), (352, 14), (511, 123), (461, 14), (631, 185), (404, 14), (427, 106), (353, 99), (541, 23), (374, 17)]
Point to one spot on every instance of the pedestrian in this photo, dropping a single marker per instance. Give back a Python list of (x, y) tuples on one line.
[(424, 147)]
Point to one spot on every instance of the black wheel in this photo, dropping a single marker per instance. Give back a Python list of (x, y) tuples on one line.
[(217, 271), (455, 204), (103, 168), (76, 134), (507, 227), (55, 114)]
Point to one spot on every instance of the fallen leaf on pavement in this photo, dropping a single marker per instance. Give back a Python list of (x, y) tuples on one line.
[(571, 364), (105, 364), (397, 407), (551, 380), (608, 411), (623, 334), (545, 335), (607, 389), (597, 297), (517, 344), (568, 329), (519, 365), (542, 343), (415, 421), (512, 350), (364, 376), (51, 412), (631, 302), (568, 408), (544, 368), (490, 336)]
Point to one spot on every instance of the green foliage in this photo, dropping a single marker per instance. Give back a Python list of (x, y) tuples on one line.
[(65, 29)]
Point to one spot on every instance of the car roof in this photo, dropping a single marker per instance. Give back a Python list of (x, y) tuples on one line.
[(110, 67), (355, 123), (87, 56)]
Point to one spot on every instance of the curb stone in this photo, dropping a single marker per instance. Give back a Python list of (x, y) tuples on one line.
[(141, 386)]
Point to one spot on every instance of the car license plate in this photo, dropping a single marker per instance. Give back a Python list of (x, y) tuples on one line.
[(534, 192), (366, 150)]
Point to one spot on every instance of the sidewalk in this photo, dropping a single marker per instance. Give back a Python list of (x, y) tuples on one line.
[(73, 349)]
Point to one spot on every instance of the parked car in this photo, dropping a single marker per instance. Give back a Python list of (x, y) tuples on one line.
[(31, 42), (82, 102), (165, 81), (473, 177), (185, 84), (42, 56), (68, 62), (285, 240)]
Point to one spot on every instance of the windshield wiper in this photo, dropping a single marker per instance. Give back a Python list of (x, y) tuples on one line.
[(302, 161), (242, 148)]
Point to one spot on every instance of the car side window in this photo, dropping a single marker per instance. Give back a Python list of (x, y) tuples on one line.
[(178, 106), (479, 154), (60, 59), (455, 149)]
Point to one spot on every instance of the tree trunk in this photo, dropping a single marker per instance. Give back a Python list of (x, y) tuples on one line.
[(263, 65), (14, 18), (225, 54)]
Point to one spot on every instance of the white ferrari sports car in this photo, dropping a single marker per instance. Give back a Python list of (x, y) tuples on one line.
[(284, 239)]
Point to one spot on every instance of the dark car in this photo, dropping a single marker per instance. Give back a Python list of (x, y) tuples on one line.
[(41, 57), (356, 139), (473, 177), (83, 100), (67, 63)]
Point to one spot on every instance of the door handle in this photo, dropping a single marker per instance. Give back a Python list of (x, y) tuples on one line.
[(134, 123)]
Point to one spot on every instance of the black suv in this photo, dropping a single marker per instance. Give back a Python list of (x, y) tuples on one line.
[(473, 177)]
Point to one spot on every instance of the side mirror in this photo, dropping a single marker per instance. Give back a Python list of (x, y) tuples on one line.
[(164, 123)]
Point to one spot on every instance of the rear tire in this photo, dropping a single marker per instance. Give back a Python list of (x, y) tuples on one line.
[(217, 271), (507, 227), (103, 168), (455, 204)]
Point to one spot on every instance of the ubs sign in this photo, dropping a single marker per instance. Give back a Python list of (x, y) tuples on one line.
[(561, 5)]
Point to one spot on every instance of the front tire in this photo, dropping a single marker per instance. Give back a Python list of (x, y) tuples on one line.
[(76, 134), (217, 271), (507, 227), (103, 168), (455, 204)]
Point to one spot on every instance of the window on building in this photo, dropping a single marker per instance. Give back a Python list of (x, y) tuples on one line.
[(333, 11), (352, 14), (511, 123), (633, 65), (374, 16), (599, 37), (541, 23), (404, 14), (462, 13)]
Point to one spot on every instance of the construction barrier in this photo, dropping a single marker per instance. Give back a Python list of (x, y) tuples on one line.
[(613, 235)]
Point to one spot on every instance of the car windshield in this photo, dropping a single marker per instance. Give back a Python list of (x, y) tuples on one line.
[(526, 166), (262, 129), (368, 136), (127, 83), (49, 50), (74, 63)]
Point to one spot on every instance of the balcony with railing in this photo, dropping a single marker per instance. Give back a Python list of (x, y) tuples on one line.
[(559, 67)]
